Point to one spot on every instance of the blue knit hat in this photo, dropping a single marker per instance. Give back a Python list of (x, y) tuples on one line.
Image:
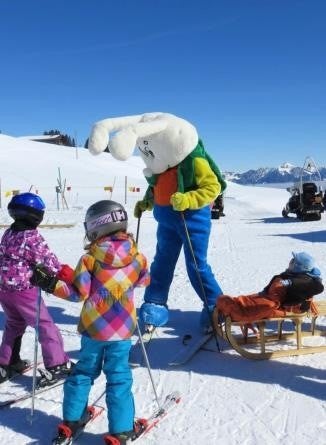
[(302, 262)]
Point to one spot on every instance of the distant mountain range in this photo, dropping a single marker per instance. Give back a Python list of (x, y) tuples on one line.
[(284, 173)]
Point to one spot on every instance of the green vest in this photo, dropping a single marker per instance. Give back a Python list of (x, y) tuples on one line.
[(186, 171)]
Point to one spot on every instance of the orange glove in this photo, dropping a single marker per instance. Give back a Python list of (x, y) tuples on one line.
[(66, 274)]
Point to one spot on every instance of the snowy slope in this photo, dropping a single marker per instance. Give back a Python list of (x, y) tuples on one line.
[(226, 399)]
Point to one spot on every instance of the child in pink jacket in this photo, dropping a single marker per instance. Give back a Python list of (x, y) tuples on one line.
[(21, 248)]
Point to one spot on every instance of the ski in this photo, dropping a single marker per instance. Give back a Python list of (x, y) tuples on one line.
[(28, 395), (150, 422), (67, 437), (191, 349)]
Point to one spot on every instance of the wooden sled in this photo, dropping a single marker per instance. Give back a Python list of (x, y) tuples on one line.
[(256, 346)]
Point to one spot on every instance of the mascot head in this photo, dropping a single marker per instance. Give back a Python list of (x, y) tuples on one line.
[(164, 140)]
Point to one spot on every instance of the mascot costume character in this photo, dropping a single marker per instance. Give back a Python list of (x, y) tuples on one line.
[(183, 182)]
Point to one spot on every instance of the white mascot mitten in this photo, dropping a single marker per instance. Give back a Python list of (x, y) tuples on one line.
[(183, 182)]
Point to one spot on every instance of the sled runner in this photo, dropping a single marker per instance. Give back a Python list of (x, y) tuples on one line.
[(283, 343)]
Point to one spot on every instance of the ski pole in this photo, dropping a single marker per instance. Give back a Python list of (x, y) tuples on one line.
[(137, 232), (36, 338), (142, 342), (147, 364), (201, 283)]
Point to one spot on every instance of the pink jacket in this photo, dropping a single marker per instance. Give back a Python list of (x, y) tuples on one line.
[(20, 251)]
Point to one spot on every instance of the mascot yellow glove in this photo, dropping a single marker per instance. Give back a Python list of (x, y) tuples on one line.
[(179, 201), (141, 206)]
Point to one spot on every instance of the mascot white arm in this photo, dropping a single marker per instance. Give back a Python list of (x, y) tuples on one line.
[(163, 139)]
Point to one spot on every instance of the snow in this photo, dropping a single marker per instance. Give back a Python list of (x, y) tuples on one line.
[(226, 399), (40, 137), (286, 167)]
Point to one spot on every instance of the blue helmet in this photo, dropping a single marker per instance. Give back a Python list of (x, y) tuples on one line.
[(27, 207), (302, 262)]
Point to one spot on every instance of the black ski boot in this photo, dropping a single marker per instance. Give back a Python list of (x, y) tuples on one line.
[(53, 374), (60, 371), (127, 436), (68, 430), (18, 365), (5, 373)]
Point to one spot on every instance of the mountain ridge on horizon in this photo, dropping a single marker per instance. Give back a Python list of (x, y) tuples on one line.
[(285, 173)]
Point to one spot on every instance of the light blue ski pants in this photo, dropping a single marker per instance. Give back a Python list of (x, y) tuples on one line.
[(113, 358)]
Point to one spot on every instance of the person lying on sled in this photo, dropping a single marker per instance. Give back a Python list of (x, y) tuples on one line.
[(290, 291)]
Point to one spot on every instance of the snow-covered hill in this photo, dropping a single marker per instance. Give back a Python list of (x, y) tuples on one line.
[(27, 165)]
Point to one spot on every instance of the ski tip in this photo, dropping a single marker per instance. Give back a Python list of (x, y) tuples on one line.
[(134, 365), (174, 396), (174, 364)]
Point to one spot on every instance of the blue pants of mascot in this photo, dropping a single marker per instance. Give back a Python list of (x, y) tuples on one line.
[(112, 357), (171, 237)]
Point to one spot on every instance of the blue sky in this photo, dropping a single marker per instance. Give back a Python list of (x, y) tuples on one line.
[(249, 74)]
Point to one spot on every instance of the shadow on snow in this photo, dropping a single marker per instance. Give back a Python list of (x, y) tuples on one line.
[(295, 377), (43, 428), (311, 237)]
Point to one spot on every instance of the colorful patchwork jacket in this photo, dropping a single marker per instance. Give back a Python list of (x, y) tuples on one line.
[(105, 279)]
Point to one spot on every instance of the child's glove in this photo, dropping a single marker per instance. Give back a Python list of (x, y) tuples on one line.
[(141, 206), (43, 278), (179, 201), (66, 274)]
